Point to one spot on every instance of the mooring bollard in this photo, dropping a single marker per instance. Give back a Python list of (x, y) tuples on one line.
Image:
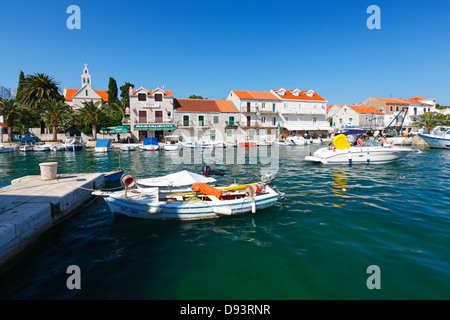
[(48, 170)]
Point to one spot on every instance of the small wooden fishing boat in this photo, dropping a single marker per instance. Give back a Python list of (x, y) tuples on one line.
[(202, 202)]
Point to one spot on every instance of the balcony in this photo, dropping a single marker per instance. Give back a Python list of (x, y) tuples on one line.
[(259, 124)]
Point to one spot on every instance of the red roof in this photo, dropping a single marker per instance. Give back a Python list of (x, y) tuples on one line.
[(288, 95), (166, 92), (392, 100), (255, 95), (204, 105), (365, 109), (71, 92)]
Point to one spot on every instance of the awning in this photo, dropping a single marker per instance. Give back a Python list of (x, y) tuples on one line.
[(325, 128), (148, 127), (118, 129), (293, 128)]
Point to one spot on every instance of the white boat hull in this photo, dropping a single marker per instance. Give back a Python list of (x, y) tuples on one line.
[(353, 155), (128, 147), (103, 149), (401, 141), (152, 147), (188, 210), (436, 142), (172, 147)]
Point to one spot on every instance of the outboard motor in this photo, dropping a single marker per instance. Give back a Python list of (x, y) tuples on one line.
[(267, 179), (206, 170)]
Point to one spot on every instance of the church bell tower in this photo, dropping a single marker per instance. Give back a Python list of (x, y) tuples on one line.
[(86, 78)]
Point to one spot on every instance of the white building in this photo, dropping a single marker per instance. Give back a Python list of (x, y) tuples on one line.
[(76, 97), (205, 119), (302, 112), (365, 117), (151, 113), (258, 114)]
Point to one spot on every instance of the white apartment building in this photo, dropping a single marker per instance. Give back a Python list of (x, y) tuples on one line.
[(206, 119), (151, 113), (365, 117)]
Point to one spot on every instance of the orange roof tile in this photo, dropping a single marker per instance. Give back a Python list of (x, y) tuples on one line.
[(301, 96), (255, 95), (71, 92), (365, 109), (103, 94), (392, 100), (204, 105), (166, 92)]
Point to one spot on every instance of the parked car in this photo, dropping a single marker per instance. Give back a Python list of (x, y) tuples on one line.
[(25, 138)]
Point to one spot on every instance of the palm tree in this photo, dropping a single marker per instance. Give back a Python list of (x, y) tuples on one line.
[(37, 88), (10, 110), (117, 110), (90, 113), (428, 120), (53, 112)]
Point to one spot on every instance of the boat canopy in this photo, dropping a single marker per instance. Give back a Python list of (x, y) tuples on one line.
[(103, 143), (150, 141), (178, 179)]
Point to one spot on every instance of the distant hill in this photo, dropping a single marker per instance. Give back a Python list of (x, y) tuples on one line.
[(7, 93)]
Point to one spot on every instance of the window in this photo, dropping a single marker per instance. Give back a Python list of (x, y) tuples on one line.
[(201, 121), (229, 132), (314, 119), (186, 121), (263, 105), (143, 116), (84, 80), (274, 121), (87, 93), (212, 134), (216, 119), (85, 71), (415, 111), (273, 107), (231, 121), (340, 120), (391, 108), (396, 108), (158, 97), (300, 118), (350, 120), (287, 119), (142, 97), (88, 81), (263, 120)]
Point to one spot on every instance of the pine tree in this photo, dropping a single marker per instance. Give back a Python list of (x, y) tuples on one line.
[(20, 85), (112, 91)]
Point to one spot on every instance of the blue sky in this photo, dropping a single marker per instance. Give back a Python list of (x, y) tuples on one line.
[(211, 47)]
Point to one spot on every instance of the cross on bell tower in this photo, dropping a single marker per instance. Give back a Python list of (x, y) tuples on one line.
[(86, 78)]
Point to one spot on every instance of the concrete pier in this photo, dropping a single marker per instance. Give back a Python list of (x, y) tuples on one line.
[(30, 206)]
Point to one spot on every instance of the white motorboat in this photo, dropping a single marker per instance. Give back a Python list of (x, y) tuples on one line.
[(247, 143), (341, 152), (26, 147), (263, 142), (219, 144), (75, 144), (298, 140), (205, 144), (41, 147), (439, 137), (189, 144), (172, 143), (230, 144), (175, 182), (128, 147), (8, 149), (286, 142), (149, 144), (58, 147), (201, 202), (103, 146)]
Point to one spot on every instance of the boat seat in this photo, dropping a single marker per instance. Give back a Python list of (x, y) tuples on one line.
[(213, 198)]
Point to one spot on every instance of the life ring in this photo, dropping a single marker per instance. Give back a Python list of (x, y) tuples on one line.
[(128, 181)]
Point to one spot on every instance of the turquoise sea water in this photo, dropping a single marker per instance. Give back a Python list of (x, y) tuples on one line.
[(318, 243)]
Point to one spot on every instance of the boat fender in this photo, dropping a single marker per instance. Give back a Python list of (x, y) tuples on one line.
[(128, 181), (222, 210)]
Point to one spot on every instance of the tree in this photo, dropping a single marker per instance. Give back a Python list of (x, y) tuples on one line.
[(53, 112), (20, 85), (125, 91), (117, 110), (37, 88), (112, 91), (428, 120), (90, 114), (193, 96), (10, 110)]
